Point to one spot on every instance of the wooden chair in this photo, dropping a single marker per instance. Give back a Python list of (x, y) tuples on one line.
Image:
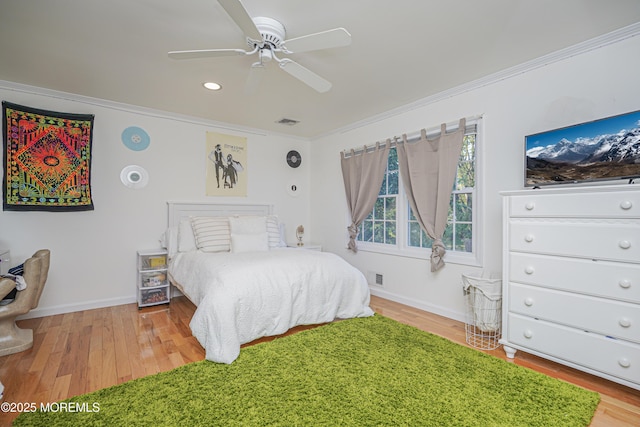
[(12, 338)]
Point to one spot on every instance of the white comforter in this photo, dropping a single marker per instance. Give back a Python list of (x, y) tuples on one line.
[(244, 296)]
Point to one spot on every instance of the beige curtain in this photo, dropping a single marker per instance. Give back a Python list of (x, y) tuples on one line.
[(362, 175), (428, 171)]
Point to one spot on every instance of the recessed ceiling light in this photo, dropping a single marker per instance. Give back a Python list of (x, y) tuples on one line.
[(212, 86)]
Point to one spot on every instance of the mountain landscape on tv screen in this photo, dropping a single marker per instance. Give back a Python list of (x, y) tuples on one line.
[(611, 156)]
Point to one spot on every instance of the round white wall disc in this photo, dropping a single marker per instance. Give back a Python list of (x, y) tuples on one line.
[(134, 176)]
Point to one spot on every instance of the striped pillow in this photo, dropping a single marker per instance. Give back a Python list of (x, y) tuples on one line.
[(212, 233)]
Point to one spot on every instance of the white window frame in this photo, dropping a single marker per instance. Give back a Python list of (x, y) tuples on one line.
[(401, 248)]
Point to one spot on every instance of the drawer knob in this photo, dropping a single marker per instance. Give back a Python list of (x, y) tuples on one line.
[(624, 244), (528, 301), (529, 206), (624, 362), (625, 283), (529, 238), (624, 322), (529, 270), (528, 334), (626, 205)]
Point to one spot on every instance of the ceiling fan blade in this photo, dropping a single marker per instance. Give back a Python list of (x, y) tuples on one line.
[(241, 17), (337, 37), (304, 75), (206, 53), (256, 74)]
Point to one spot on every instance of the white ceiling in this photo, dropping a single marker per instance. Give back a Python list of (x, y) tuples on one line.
[(402, 51)]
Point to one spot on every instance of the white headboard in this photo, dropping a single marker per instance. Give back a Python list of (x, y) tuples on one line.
[(179, 210)]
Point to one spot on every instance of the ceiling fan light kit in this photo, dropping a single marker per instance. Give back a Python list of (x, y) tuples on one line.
[(266, 37)]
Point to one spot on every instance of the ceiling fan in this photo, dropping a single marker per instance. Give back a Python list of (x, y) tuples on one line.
[(266, 38)]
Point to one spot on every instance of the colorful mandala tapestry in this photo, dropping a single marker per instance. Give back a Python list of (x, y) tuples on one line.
[(47, 160)]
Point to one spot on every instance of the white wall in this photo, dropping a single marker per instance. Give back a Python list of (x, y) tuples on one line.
[(93, 253), (591, 85)]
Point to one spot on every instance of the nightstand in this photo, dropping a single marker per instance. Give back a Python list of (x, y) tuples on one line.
[(153, 282), (308, 246)]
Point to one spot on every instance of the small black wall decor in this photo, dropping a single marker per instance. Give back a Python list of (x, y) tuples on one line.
[(294, 159)]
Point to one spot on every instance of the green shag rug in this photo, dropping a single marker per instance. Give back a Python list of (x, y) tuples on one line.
[(359, 372)]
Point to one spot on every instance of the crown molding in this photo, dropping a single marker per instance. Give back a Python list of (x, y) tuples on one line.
[(560, 55), (134, 109)]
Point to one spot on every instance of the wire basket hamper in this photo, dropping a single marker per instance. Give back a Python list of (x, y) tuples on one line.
[(483, 303)]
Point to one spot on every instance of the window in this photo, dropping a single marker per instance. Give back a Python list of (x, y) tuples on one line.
[(392, 227), (381, 224)]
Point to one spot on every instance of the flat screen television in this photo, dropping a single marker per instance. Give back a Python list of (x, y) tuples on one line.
[(604, 149)]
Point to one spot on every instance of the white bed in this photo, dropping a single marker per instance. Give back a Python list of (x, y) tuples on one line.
[(256, 287)]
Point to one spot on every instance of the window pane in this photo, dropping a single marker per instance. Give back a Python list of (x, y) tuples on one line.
[(465, 177), (427, 241), (383, 187), (414, 234), (447, 237), (392, 160), (390, 233), (463, 238), (450, 211), (412, 217), (390, 208), (392, 172), (378, 231), (393, 182), (463, 207), (367, 231), (378, 209)]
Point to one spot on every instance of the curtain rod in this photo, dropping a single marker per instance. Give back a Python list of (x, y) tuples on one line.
[(432, 132)]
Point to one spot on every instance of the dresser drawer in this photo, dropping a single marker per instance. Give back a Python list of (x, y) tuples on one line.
[(600, 278), (605, 240), (621, 204), (607, 317), (614, 357)]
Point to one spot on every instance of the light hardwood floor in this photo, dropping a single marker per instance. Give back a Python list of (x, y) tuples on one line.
[(84, 351)]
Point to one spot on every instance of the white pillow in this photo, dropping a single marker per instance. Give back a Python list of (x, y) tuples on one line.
[(283, 238), (273, 230), (254, 242), (212, 233), (169, 241), (248, 224), (186, 239)]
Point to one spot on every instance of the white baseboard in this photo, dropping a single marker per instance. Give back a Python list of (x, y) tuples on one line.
[(70, 308), (431, 308), (89, 305)]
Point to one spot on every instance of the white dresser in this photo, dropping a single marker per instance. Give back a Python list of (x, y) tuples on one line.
[(571, 278)]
